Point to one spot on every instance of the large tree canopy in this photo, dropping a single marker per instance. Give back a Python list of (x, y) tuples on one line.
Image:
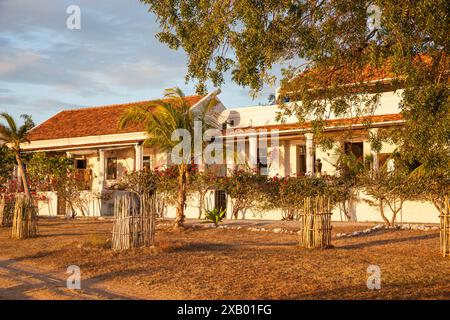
[(327, 44), (248, 36)]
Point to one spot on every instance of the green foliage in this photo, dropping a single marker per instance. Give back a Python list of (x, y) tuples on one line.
[(326, 45), (389, 188), (215, 215), (139, 182), (199, 184), (13, 136), (346, 182), (161, 119), (49, 173), (57, 174), (7, 163), (243, 186), (289, 193)]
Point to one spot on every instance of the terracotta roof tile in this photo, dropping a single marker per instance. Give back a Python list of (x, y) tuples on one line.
[(89, 122)]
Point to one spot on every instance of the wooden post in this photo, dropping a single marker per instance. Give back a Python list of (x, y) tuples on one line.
[(315, 221), (445, 229)]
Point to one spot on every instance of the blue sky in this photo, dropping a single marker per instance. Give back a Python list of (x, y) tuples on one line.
[(114, 58)]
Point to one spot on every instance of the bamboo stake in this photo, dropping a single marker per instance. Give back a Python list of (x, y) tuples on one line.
[(445, 229), (315, 220), (25, 218), (134, 224)]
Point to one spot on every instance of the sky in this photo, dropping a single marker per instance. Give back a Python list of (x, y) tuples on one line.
[(46, 67)]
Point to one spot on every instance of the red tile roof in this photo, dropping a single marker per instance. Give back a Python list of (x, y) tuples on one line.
[(90, 122)]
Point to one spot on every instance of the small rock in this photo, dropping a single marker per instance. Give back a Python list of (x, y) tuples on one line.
[(277, 230)]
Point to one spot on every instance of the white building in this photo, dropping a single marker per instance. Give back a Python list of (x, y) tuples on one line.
[(102, 153)]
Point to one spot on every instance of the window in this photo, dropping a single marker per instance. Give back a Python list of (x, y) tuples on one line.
[(220, 200), (111, 169), (262, 161), (80, 164), (147, 163), (355, 148)]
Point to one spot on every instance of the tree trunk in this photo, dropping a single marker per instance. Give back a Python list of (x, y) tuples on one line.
[(179, 219), (201, 205), (381, 207), (26, 187), (395, 210), (235, 212)]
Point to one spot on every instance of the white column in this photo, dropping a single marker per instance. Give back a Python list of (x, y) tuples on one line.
[(102, 172), (376, 160), (273, 156), (230, 153), (287, 158), (309, 153), (253, 151), (138, 157)]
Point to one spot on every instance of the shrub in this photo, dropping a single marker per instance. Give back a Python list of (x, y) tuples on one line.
[(215, 216)]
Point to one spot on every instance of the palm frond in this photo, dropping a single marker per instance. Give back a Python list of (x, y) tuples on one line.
[(5, 133), (10, 120), (22, 133), (133, 115)]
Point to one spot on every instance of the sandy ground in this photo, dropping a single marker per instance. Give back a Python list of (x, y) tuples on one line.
[(201, 263)]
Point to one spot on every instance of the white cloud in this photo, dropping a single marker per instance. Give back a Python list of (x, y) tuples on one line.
[(16, 62)]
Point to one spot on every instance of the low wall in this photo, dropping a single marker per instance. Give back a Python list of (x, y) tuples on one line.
[(412, 211), (93, 204)]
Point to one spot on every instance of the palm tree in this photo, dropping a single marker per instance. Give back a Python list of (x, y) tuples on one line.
[(161, 118), (13, 137)]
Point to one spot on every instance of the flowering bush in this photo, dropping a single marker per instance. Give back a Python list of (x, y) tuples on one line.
[(289, 193), (138, 182), (199, 184), (244, 187)]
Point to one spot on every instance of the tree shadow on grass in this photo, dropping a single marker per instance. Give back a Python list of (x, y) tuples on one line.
[(30, 278), (206, 246), (50, 235), (375, 243)]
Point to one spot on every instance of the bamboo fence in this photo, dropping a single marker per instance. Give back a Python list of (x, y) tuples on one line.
[(445, 229), (6, 211), (134, 224), (25, 218), (315, 220)]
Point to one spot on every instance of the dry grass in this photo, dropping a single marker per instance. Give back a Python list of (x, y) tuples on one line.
[(240, 264)]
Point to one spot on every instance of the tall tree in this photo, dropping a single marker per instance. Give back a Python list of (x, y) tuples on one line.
[(13, 136), (161, 119), (326, 45)]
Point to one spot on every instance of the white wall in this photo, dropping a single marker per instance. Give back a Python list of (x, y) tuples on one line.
[(266, 115)]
